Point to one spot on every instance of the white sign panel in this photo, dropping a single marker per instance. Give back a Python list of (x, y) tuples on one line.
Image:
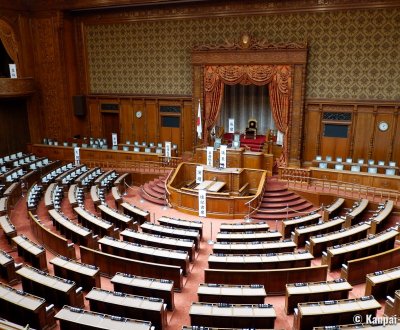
[(114, 139), (77, 156), (231, 125), (202, 203), (222, 156), (13, 70), (279, 138), (199, 174), (168, 149), (210, 156)]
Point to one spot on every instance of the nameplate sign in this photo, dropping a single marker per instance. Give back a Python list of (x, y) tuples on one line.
[(77, 156), (222, 156), (13, 71), (114, 139), (199, 174), (168, 149), (202, 203), (231, 125), (210, 156)]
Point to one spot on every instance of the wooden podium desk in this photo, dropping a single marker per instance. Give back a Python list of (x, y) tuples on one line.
[(332, 209), (260, 261), (7, 267), (170, 243), (254, 247), (76, 318), (31, 252), (289, 225), (321, 242), (98, 225), (244, 226), (119, 220), (383, 283), (4, 206), (86, 276), (358, 208), (140, 216), (337, 255), (232, 316), (24, 308), (181, 223), (54, 289), (168, 231), (333, 312), (248, 236), (231, 294), (378, 217), (315, 291), (127, 305), (145, 286), (146, 253)]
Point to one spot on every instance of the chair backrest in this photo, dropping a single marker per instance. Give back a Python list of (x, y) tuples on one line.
[(128, 142), (217, 143), (136, 143), (159, 145), (151, 144), (125, 148), (339, 159), (390, 171), (360, 161), (236, 137), (84, 145), (114, 147), (381, 162), (371, 162), (355, 168), (144, 144), (372, 170), (236, 144), (136, 149), (158, 150), (323, 165), (339, 167), (319, 157), (349, 160), (328, 158), (252, 123), (147, 150), (392, 163)]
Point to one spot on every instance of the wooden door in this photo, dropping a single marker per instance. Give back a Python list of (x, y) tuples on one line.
[(110, 123), (170, 129), (335, 141)]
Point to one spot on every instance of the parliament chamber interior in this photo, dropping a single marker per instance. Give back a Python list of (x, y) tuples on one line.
[(199, 164)]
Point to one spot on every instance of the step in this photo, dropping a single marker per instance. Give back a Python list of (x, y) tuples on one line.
[(153, 199), (148, 189), (279, 199)]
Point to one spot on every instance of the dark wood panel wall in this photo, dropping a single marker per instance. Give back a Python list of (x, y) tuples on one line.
[(147, 127), (364, 138)]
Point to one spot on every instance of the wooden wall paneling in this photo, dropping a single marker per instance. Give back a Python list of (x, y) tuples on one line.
[(126, 121), (363, 132), (139, 124), (95, 117), (187, 127), (382, 143), (152, 122), (395, 156), (312, 133)]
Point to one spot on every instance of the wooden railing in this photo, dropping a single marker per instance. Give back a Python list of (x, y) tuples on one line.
[(301, 179)]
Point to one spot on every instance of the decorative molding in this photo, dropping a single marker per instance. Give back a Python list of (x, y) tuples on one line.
[(10, 88)]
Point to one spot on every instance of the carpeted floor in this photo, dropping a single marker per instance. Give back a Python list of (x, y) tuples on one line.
[(183, 300)]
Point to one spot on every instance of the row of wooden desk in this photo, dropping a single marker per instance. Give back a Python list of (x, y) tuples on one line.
[(254, 247), (98, 225), (231, 294), (288, 226), (129, 306), (244, 226), (181, 244), (7, 267), (25, 308), (261, 261), (8, 228), (383, 283), (248, 236)]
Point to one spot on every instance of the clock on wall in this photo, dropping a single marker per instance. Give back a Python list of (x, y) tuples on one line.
[(383, 126), (138, 114)]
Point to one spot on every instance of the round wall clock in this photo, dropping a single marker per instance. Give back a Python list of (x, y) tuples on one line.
[(138, 114), (383, 126)]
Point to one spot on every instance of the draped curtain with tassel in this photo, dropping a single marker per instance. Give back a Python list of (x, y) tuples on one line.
[(278, 78)]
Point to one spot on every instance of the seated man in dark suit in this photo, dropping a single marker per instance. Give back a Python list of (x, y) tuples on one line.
[(251, 130)]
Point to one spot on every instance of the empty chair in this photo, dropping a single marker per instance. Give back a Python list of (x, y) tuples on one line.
[(236, 137), (147, 150), (319, 157), (390, 171), (349, 160), (328, 158), (236, 144), (360, 161), (144, 144), (136, 143), (136, 149), (323, 165), (355, 168), (104, 146), (151, 144), (392, 163), (339, 159), (371, 162), (381, 162), (158, 150), (84, 145), (372, 170), (251, 129), (125, 148), (174, 146), (114, 147), (74, 144), (339, 167), (159, 145), (128, 142), (65, 144), (217, 143)]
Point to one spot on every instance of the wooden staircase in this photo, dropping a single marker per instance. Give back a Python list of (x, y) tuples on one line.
[(279, 203), (154, 191)]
